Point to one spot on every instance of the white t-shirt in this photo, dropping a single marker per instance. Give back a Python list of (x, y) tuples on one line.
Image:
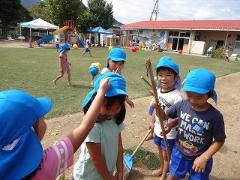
[(167, 99)]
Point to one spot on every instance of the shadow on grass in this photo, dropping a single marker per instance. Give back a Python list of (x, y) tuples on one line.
[(84, 86), (144, 157)]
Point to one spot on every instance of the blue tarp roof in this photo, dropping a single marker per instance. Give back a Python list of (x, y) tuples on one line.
[(100, 30)]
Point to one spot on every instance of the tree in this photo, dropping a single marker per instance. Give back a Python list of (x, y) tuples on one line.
[(101, 13), (60, 10), (40, 11), (11, 12), (84, 21)]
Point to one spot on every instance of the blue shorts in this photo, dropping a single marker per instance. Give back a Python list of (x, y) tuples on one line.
[(87, 50), (180, 166), (160, 142)]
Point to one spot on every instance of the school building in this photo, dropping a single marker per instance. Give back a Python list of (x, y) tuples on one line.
[(189, 36)]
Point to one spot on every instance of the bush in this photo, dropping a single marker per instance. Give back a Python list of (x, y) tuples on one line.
[(218, 53)]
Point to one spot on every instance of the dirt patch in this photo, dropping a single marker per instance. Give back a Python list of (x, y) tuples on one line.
[(226, 161), (21, 44)]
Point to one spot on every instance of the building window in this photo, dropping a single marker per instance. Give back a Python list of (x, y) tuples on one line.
[(238, 37), (186, 41), (175, 33), (171, 33), (237, 45), (198, 36), (184, 34)]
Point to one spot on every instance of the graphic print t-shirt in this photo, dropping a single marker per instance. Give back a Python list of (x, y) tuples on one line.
[(166, 100), (196, 130)]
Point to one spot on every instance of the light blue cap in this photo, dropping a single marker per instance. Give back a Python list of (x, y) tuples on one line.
[(117, 54), (168, 62), (64, 47), (20, 148), (117, 86), (200, 81)]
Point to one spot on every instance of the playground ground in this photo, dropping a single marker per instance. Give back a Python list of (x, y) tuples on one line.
[(226, 162)]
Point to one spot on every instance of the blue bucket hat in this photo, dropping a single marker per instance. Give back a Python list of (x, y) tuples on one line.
[(20, 148), (168, 62), (117, 86), (116, 54), (64, 47), (200, 81)]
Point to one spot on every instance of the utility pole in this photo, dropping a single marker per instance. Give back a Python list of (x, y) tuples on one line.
[(155, 11)]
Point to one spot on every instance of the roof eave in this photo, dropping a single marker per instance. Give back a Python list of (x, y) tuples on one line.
[(190, 29)]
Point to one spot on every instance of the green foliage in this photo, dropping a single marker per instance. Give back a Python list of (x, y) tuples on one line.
[(84, 21), (98, 13), (60, 10), (11, 12), (101, 13), (218, 53), (40, 11)]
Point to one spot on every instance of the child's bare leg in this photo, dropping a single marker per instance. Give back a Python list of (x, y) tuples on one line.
[(69, 77), (57, 78), (158, 172), (165, 166)]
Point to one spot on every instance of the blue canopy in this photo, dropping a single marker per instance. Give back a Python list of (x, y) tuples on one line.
[(100, 30)]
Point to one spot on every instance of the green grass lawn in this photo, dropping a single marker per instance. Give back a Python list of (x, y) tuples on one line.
[(34, 69)]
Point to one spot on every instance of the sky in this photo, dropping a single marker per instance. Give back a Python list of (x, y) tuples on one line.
[(128, 11)]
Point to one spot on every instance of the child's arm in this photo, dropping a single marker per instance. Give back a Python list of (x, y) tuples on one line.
[(119, 174), (200, 162), (78, 135), (151, 114), (98, 160), (168, 127)]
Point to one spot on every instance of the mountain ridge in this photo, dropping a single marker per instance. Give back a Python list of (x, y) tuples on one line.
[(28, 3)]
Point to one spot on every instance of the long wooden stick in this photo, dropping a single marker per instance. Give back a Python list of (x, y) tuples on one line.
[(148, 83), (159, 112), (142, 141)]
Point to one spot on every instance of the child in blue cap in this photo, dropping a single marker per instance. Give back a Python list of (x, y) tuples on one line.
[(167, 72), (115, 63), (95, 69), (200, 128), (22, 127), (102, 151), (64, 65)]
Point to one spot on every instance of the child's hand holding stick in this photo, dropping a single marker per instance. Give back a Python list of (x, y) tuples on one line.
[(159, 112)]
